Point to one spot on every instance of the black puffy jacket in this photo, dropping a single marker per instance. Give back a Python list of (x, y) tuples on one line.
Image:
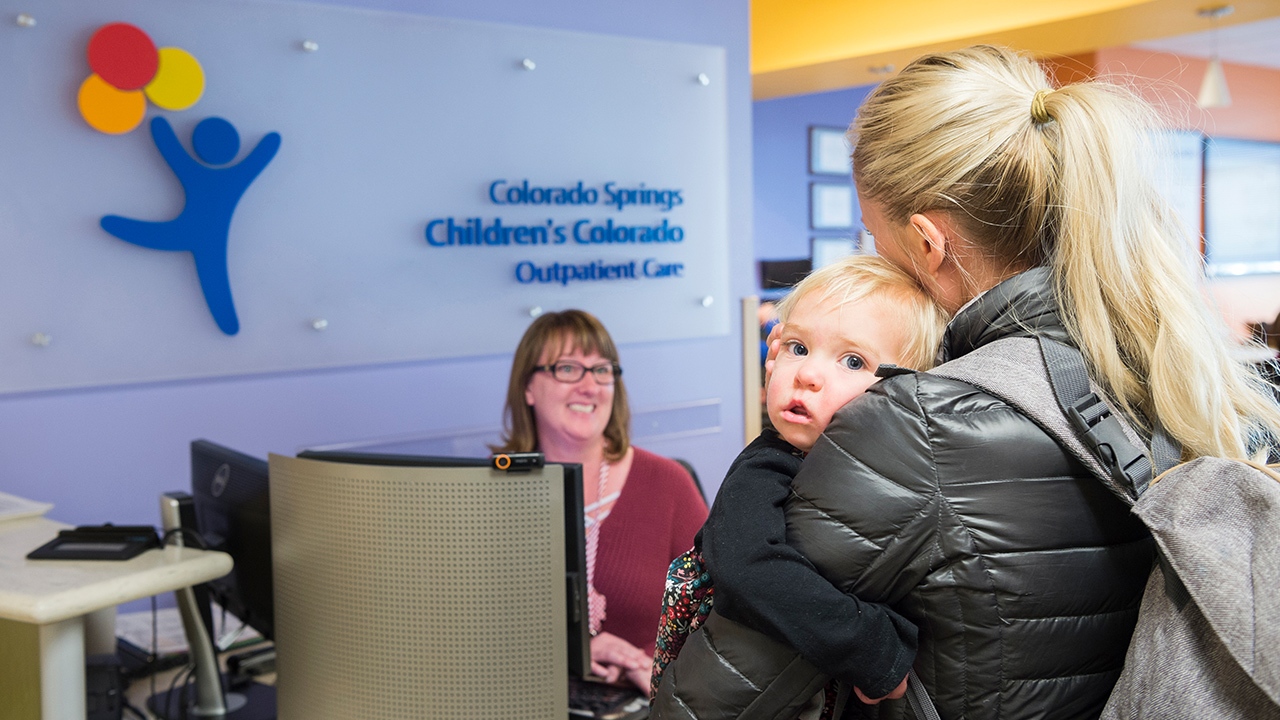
[(1022, 572)]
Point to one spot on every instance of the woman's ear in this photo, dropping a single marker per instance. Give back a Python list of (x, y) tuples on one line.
[(528, 396), (934, 247), (939, 262)]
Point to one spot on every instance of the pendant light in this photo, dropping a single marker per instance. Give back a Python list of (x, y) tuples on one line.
[(1213, 89)]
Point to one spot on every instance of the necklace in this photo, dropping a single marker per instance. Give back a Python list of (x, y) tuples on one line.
[(592, 516), (596, 512)]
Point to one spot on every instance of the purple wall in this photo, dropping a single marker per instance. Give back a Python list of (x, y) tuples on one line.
[(105, 454), (780, 153)]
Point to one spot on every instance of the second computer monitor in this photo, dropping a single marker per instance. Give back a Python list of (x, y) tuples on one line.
[(233, 515)]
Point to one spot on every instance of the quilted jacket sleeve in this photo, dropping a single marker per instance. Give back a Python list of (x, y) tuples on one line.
[(866, 505), (728, 671), (766, 584)]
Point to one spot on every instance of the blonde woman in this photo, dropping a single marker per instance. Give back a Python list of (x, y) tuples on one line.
[(1024, 210)]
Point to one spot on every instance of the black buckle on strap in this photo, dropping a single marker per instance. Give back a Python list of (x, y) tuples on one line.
[(1101, 431)]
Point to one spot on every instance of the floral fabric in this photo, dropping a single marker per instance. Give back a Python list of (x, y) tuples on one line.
[(686, 602)]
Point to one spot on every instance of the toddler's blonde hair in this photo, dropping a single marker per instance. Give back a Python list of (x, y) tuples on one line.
[(855, 277)]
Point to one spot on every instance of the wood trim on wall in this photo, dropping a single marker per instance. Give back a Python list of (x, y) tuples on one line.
[(751, 406)]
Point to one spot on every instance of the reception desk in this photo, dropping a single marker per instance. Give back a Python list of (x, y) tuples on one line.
[(49, 610)]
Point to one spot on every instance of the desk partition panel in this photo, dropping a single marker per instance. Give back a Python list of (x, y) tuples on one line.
[(418, 591)]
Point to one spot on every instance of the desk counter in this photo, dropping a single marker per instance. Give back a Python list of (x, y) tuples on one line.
[(44, 605)]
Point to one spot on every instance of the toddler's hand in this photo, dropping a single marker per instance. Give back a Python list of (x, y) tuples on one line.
[(897, 693), (775, 346)]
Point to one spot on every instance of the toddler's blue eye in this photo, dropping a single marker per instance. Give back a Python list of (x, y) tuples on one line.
[(853, 362), (797, 349)]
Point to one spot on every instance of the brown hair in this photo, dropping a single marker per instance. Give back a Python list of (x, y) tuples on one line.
[(561, 332)]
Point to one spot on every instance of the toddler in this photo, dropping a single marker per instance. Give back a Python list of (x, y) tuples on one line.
[(838, 327)]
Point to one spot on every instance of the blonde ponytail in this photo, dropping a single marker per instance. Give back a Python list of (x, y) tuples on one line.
[(1035, 176)]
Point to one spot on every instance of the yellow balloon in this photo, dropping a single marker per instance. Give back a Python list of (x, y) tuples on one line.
[(109, 110), (179, 82)]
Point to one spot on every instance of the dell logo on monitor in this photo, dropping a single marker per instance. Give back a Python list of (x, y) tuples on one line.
[(220, 478)]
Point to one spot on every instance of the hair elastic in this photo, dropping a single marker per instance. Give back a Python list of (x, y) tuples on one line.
[(1040, 115)]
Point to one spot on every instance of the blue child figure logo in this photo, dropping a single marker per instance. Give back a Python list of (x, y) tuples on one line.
[(211, 197)]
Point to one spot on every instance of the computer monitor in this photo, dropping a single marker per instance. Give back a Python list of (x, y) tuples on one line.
[(233, 515), (575, 550), (229, 509)]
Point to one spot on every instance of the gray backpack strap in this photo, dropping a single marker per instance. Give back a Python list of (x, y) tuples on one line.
[(1015, 370), (1073, 412), (1100, 428), (1102, 431), (918, 698)]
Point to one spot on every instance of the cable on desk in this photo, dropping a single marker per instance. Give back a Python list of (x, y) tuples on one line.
[(168, 698), (129, 706), (186, 533), (155, 647)]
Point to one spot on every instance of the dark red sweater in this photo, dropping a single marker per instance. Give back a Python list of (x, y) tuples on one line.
[(653, 521)]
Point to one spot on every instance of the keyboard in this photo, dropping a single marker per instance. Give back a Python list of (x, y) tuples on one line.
[(606, 702)]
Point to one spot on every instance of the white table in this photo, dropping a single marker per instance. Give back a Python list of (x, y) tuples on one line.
[(45, 606)]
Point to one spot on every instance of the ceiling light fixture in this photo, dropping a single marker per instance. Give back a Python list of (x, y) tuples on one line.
[(1213, 89)]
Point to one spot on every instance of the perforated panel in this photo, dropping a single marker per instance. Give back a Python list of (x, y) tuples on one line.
[(418, 592)]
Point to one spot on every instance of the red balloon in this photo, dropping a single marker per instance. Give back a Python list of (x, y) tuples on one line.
[(123, 55)]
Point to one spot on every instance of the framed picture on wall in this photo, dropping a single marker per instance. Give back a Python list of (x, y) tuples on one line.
[(826, 250), (1241, 207), (830, 206), (829, 151)]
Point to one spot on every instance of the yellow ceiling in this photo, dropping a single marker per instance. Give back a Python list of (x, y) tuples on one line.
[(803, 46)]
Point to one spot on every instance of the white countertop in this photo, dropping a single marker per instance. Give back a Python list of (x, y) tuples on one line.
[(46, 591)]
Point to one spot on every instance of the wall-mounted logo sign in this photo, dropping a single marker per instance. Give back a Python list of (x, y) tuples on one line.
[(126, 65), (212, 194), (388, 121), (475, 231)]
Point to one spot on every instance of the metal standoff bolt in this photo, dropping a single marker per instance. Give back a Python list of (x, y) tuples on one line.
[(528, 64), (41, 339), (319, 324), (703, 79), (535, 311), (707, 300), (25, 20), (310, 45)]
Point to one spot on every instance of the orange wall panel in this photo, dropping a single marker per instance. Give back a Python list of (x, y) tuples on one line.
[(1254, 112)]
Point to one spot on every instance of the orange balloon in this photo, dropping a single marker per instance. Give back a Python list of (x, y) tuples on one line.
[(109, 110)]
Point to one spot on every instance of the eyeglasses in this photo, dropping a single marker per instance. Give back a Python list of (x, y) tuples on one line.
[(569, 372)]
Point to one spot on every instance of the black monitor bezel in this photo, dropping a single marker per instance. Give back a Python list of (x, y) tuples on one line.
[(235, 591)]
